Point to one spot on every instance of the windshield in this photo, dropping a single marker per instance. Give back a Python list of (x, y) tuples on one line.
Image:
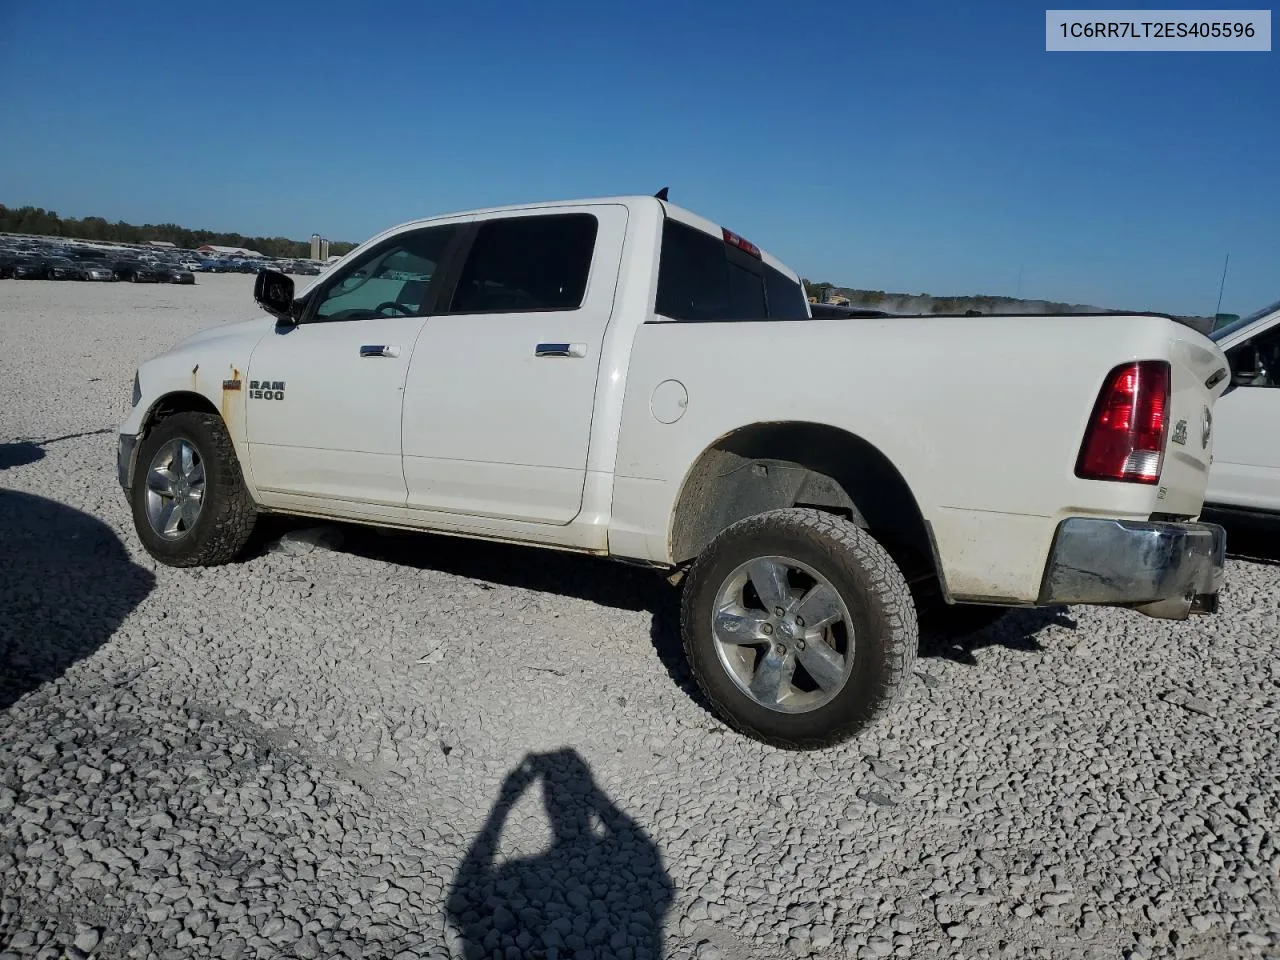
[(1243, 322)]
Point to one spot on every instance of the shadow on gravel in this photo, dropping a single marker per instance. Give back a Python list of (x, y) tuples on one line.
[(19, 454), (600, 581), (22, 452), (1254, 539), (66, 584), (593, 579), (618, 585), (599, 889), (1019, 629)]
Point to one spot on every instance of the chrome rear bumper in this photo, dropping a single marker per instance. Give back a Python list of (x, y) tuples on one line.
[(1166, 570)]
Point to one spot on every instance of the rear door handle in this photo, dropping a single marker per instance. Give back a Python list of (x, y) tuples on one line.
[(576, 350), (379, 350)]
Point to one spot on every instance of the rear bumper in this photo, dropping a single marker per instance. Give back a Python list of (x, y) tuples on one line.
[(1166, 570)]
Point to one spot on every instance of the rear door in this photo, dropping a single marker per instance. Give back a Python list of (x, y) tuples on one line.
[(499, 398), (1246, 425)]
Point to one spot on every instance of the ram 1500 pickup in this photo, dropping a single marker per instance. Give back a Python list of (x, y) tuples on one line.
[(624, 378)]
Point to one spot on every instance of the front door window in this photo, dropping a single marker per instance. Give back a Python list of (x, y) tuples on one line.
[(1256, 362), (389, 281)]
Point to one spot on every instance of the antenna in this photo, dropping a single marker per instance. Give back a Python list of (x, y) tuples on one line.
[(1222, 286), (662, 194)]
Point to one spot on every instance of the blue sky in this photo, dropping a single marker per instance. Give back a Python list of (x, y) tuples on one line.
[(915, 146)]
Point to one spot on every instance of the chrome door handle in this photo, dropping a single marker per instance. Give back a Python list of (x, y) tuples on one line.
[(379, 350), (560, 350)]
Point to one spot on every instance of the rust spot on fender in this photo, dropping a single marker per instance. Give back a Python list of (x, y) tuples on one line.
[(231, 385)]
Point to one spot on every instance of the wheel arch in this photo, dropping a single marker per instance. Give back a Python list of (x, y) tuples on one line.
[(178, 401), (226, 511), (770, 466)]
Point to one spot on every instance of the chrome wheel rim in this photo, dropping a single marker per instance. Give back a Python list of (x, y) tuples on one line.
[(175, 489), (783, 634)]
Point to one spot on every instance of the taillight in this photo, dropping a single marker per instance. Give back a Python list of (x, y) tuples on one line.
[(1126, 434)]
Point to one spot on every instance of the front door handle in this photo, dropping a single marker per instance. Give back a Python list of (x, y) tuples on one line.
[(560, 350), (379, 350)]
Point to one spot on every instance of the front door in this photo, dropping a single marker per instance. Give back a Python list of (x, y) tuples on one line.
[(498, 404), (1246, 427), (324, 397)]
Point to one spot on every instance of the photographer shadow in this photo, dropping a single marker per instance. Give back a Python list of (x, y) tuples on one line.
[(66, 585), (599, 891)]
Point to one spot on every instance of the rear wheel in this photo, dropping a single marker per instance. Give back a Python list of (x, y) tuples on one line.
[(798, 627), (190, 504)]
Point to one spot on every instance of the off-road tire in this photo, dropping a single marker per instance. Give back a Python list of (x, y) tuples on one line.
[(873, 589), (228, 514)]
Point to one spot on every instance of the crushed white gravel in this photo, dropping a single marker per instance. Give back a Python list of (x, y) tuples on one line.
[(367, 745)]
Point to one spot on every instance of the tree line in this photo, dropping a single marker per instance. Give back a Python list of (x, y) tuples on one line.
[(37, 220)]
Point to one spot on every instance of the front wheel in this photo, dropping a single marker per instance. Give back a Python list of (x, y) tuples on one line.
[(190, 504), (799, 627)]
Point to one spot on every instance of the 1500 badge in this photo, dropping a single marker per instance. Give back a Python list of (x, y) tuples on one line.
[(266, 389)]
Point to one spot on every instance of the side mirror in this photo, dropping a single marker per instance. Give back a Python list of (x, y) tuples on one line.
[(274, 293)]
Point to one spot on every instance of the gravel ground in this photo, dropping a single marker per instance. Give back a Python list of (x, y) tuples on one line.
[(362, 745)]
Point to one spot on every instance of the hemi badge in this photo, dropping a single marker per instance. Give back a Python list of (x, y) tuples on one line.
[(230, 384), (1180, 432)]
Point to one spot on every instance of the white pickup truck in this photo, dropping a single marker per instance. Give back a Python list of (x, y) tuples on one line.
[(624, 378), (1245, 478)]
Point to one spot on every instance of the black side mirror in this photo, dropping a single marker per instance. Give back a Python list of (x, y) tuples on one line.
[(274, 293)]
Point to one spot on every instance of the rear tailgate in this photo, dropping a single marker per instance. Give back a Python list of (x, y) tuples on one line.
[(1199, 376)]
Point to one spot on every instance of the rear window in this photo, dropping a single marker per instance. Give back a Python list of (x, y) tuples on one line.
[(746, 293), (701, 278), (786, 297)]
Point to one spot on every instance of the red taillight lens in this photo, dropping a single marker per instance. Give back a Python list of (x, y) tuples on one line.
[(1126, 435), (743, 244)]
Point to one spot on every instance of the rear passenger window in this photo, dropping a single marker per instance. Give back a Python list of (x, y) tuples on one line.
[(691, 275), (527, 264), (700, 278), (786, 297)]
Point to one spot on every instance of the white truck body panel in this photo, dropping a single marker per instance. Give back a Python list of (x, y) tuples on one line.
[(333, 430), (987, 447), (1246, 426), (466, 431)]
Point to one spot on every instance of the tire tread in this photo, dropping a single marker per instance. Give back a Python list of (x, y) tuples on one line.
[(234, 512), (844, 544)]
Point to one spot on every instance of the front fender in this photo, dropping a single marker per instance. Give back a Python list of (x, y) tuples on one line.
[(207, 373)]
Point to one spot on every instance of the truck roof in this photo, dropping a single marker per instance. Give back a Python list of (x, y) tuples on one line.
[(670, 209)]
